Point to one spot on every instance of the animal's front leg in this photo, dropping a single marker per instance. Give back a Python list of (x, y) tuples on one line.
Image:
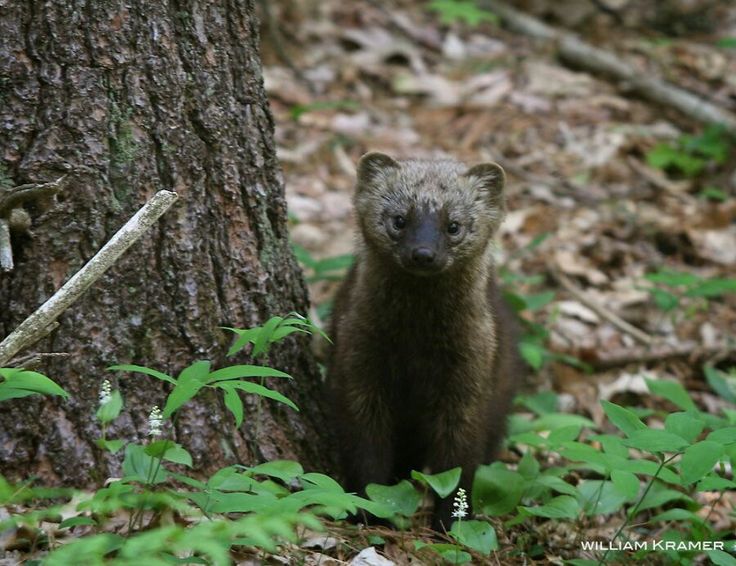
[(458, 442)]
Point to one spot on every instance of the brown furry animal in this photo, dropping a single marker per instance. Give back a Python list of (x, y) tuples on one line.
[(423, 368)]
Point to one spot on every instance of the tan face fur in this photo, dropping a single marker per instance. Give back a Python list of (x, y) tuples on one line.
[(428, 216)]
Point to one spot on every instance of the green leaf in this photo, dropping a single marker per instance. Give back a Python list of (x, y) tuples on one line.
[(109, 411), (684, 425), (722, 384), (699, 459), (564, 434), (497, 490), (622, 418), (76, 522), (556, 484), (443, 483), (528, 466), (233, 403), (402, 498), (139, 466), (664, 300), (673, 278), (536, 302), (715, 483), (191, 380), (653, 440), (532, 353), (541, 403), (612, 445), (236, 372), (320, 480), (673, 391), (452, 11), (112, 446), (581, 452), (626, 483), (257, 389), (727, 42), (144, 370), (23, 383), (712, 288), (598, 497), (245, 337), (478, 535), (659, 496), (170, 451), (285, 470), (721, 558), (560, 507), (263, 339), (723, 436)]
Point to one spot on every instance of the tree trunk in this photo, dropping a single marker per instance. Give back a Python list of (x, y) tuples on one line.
[(129, 98)]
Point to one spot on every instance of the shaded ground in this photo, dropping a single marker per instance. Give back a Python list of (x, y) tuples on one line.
[(595, 205)]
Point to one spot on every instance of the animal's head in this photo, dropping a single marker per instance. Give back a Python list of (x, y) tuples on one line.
[(428, 216)]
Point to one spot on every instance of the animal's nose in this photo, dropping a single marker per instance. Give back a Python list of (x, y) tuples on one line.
[(423, 256)]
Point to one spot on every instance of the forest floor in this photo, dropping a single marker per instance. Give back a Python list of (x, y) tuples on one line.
[(619, 209)]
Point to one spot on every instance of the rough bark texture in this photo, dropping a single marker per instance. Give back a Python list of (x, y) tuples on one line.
[(128, 98)]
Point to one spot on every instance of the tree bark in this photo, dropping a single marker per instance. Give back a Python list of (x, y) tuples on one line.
[(128, 98)]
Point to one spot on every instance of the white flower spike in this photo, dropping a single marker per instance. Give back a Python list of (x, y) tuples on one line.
[(155, 421), (460, 504), (105, 392)]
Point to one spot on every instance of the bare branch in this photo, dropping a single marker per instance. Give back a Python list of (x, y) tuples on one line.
[(33, 328), (610, 316)]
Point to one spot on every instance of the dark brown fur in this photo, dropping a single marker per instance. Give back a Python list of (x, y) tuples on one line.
[(423, 368)]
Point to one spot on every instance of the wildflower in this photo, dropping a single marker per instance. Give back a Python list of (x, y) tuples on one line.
[(460, 504), (155, 421), (105, 392)]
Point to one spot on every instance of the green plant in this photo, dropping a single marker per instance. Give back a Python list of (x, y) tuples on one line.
[(268, 511), (451, 11), (532, 344), (671, 288), (727, 42), (18, 382), (689, 155), (331, 268), (648, 474)]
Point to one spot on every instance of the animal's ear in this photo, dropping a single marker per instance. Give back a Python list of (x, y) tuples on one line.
[(491, 178), (372, 165)]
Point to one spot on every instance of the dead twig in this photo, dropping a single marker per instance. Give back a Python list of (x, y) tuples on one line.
[(691, 351), (36, 325), (6, 251), (603, 312)]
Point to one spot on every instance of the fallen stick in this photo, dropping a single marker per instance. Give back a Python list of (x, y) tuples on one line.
[(583, 55), (690, 351), (35, 326), (610, 316)]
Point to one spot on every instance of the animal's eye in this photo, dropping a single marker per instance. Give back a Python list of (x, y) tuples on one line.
[(399, 222), (453, 228)]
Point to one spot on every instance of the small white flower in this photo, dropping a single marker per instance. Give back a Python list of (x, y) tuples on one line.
[(105, 392), (460, 504), (155, 421)]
